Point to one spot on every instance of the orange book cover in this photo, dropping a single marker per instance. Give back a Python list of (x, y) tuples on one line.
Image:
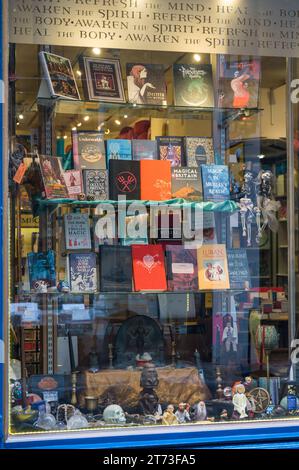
[(155, 180), (149, 268), (212, 267)]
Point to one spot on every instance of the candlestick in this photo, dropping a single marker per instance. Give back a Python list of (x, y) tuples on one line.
[(110, 349), (173, 354), (74, 400)]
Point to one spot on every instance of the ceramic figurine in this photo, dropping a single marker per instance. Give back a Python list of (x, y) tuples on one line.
[(114, 414), (200, 411), (182, 413), (240, 401), (169, 417)]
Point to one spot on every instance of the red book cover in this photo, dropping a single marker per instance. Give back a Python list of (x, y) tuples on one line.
[(149, 268), (182, 272), (155, 180)]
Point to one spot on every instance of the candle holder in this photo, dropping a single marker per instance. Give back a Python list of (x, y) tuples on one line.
[(173, 354), (110, 355), (74, 400), (219, 391)]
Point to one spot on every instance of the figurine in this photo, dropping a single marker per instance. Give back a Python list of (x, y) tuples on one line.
[(266, 204), (148, 399), (247, 204), (240, 401), (169, 417), (114, 414), (230, 337), (200, 411), (182, 413), (93, 361), (77, 421)]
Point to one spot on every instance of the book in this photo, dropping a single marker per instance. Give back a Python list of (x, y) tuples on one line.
[(124, 179), (96, 184), (199, 150), (149, 268), (212, 267), (119, 149), (182, 272), (77, 231), (238, 269), (89, 150), (59, 75), (102, 80), (204, 232), (115, 268), (193, 85), (172, 149), (176, 306), (215, 182), (144, 149), (73, 181), (236, 178), (104, 231), (146, 84), (239, 82), (155, 180), (41, 268), (133, 230), (54, 183), (186, 183), (82, 272)]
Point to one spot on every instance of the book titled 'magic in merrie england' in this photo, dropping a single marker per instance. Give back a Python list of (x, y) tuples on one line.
[(172, 149), (193, 85), (146, 84), (96, 184), (215, 182), (143, 149), (82, 272), (89, 150), (77, 231), (199, 150), (186, 183), (115, 268), (54, 183), (41, 267), (59, 75), (238, 269), (118, 149)]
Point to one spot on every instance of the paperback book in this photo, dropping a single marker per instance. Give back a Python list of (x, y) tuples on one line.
[(212, 267), (173, 307), (144, 149), (216, 185), (96, 184), (116, 268), (186, 183), (89, 150), (83, 272), (149, 268), (146, 84), (73, 181), (171, 149), (155, 180), (54, 183), (124, 179), (102, 80), (41, 268), (198, 151), (119, 149), (182, 272), (59, 75), (77, 231), (193, 85), (238, 269)]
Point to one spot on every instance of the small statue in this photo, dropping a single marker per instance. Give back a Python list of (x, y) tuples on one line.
[(169, 417), (200, 411), (148, 399), (93, 361), (240, 401), (182, 413), (247, 204), (114, 414), (266, 204)]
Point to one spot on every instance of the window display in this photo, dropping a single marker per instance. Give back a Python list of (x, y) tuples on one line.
[(148, 241)]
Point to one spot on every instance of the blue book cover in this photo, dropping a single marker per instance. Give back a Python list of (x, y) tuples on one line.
[(119, 149), (83, 272), (144, 149), (41, 267), (215, 182), (238, 269)]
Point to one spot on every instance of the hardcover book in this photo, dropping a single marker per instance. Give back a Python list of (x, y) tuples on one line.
[(77, 231), (83, 272), (102, 80), (124, 179), (146, 84), (215, 179), (174, 306), (149, 268), (155, 180), (182, 272), (144, 149), (59, 75), (172, 149), (212, 267), (89, 150), (96, 184), (199, 150), (73, 181), (193, 85), (41, 268), (239, 82), (54, 184), (119, 149), (116, 268), (238, 269), (186, 183)]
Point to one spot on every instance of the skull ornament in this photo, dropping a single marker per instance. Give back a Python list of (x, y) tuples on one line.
[(114, 414)]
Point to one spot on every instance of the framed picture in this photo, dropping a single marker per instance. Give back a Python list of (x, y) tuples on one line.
[(103, 80), (60, 76)]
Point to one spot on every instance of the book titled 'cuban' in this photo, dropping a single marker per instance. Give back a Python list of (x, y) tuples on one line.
[(83, 272), (212, 267), (149, 268), (116, 268)]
